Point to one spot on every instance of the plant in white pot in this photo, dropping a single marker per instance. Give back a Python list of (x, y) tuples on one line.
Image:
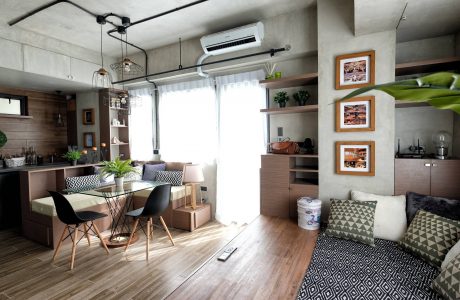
[(119, 168)]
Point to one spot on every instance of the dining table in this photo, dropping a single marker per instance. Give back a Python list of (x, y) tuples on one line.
[(119, 201)]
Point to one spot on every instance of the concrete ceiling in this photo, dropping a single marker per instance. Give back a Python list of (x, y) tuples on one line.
[(65, 22), (425, 18)]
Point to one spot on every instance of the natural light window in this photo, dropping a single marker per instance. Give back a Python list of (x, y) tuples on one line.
[(10, 106)]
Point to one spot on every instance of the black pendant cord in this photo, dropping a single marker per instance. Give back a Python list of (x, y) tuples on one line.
[(271, 52), (102, 56), (180, 53)]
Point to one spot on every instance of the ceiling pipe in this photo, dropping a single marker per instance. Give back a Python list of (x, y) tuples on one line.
[(271, 52), (199, 69)]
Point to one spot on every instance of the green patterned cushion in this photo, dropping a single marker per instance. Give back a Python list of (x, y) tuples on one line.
[(447, 284), (430, 237), (352, 220)]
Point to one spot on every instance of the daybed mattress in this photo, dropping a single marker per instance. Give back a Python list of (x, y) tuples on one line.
[(177, 192), (342, 269)]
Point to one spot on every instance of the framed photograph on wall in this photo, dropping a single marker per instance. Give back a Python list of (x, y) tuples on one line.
[(355, 114), (354, 70), (355, 158), (89, 139), (88, 116)]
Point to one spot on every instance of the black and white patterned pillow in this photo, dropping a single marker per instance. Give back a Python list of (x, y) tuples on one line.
[(82, 182), (172, 177)]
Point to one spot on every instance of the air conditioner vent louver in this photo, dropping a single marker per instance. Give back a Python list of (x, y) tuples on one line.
[(248, 40), (240, 38)]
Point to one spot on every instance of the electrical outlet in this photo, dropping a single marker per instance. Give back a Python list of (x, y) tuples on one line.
[(204, 188)]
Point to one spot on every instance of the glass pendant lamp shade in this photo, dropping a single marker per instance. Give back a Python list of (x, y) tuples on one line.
[(102, 77)]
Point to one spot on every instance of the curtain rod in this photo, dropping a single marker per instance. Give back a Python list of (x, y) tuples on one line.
[(271, 52)]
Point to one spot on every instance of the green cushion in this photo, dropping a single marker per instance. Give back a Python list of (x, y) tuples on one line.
[(447, 284), (430, 237), (352, 220)]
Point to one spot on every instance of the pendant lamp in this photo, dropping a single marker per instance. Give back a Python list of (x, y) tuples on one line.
[(102, 77)]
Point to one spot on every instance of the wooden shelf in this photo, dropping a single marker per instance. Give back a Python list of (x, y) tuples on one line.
[(290, 81), (428, 66), (296, 155), (305, 181), (116, 108), (404, 104), (119, 144), (304, 169), (118, 126), (291, 109), (15, 116)]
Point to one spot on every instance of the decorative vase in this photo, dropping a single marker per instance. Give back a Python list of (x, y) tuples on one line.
[(119, 181), (282, 104), (73, 162)]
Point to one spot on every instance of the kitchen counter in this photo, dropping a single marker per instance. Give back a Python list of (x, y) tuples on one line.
[(43, 167)]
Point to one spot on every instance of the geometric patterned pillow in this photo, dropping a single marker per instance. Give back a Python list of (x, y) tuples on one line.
[(135, 175), (82, 182), (430, 237), (447, 284), (352, 220), (172, 177)]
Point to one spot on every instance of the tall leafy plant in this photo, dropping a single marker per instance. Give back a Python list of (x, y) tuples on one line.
[(119, 168), (3, 139), (440, 90)]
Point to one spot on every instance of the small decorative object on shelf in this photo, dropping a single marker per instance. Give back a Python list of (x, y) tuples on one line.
[(72, 156), (103, 151), (270, 68), (277, 75), (281, 98), (301, 97)]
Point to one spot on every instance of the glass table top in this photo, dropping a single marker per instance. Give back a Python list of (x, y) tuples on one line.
[(115, 191)]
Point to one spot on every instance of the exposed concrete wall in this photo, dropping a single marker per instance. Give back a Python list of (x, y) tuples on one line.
[(438, 47), (335, 37)]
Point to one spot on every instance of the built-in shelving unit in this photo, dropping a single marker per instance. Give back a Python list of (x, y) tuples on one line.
[(290, 81), (428, 66), (291, 109)]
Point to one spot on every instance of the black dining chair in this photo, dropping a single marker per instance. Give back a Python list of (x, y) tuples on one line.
[(156, 204), (69, 217)]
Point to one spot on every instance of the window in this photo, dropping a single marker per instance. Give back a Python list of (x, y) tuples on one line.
[(13, 105)]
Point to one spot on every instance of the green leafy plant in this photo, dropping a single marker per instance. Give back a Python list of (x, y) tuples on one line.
[(440, 90), (119, 168), (281, 98), (301, 97), (3, 139), (72, 155)]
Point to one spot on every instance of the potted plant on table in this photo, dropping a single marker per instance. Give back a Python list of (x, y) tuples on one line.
[(119, 168), (281, 98), (301, 97), (72, 156)]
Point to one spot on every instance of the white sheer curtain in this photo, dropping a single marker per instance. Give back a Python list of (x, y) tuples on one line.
[(241, 142), (187, 121), (141, 124)]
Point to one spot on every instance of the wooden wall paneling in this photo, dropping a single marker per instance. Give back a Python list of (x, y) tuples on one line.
[(104, 123), (444, 178), (274, 185), (71, 122), (412, 175), (40, 131)]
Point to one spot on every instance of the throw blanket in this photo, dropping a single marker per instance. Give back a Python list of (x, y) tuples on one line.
[(342, 269)]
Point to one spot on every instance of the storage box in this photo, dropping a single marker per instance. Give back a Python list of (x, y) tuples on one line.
[(188, 219), (15, 162)]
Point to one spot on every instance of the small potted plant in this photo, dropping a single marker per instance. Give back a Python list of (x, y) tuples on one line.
[(301, 97), (72, 156), (119, 168), (281, 98)]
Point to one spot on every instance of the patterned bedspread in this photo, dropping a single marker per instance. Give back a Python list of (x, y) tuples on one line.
[(342, 269)]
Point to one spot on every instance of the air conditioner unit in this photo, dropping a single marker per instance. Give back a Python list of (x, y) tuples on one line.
[(240, 38)]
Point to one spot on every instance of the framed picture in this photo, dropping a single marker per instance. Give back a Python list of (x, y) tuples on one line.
[(354, 70), (355, 114), (88, 116), (355, 158), (89, 139)]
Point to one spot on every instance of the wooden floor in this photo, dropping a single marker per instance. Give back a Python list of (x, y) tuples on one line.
[(270, 263), (26, 271), (272, 257)]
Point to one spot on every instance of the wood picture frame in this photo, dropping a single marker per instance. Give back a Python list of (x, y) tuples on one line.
[(88, 116), (355, 114), (355, 70), (355, 158), (89, 139)]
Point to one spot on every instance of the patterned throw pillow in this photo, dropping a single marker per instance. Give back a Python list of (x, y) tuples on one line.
[(172, 177), (430, 237), (103, 179), (81, 182), (150, 171), (447, 284), (352, 220), (137, 175)]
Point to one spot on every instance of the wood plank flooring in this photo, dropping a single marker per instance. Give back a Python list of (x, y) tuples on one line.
[(26, 271), (272, 258)]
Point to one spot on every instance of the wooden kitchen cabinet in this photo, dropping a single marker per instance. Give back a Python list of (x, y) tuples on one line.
[(433, 177)]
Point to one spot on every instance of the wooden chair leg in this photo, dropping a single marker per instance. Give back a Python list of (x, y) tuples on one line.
[(74, 247), (86, 233), (147, 246), (167, 230), (58, 248), (132, 234), (100, 237), (151, 228)]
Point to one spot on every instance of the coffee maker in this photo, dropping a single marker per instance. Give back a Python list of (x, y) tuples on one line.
[(441, 142)]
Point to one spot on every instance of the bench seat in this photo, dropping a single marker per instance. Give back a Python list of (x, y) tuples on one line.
[(45, 206)]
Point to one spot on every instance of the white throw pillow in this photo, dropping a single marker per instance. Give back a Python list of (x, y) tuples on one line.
[(453, 252), (390, 221)]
